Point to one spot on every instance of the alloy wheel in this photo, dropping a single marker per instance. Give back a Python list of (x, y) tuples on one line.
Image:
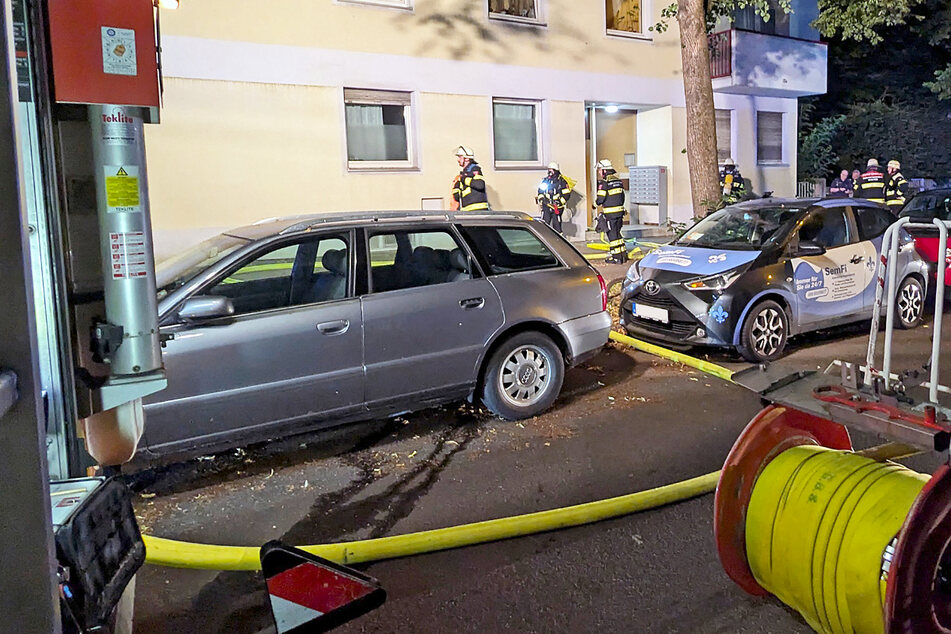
[(524, 377), (768, 332), (910, 303)]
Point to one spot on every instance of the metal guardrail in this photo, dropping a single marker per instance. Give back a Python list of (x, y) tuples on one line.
[(8, 391), (890, 245)]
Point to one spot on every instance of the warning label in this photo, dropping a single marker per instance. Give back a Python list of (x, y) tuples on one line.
[(122, 189), (127, 255)]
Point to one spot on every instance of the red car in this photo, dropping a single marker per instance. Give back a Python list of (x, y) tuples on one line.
[(925, 207)]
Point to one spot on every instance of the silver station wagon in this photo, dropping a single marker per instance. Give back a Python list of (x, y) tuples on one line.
[(293, 324)]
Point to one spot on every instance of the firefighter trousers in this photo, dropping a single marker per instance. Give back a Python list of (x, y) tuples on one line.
[(615, 241), (551, 218)]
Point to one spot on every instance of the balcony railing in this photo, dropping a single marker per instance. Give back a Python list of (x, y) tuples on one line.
[(721, 54)]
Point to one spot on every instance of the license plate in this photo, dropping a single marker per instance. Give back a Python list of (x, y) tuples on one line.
[(649, 312)]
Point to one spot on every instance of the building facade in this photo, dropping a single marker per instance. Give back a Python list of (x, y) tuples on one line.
[(297, 106)]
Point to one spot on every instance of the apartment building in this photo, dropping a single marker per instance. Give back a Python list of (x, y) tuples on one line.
[(294, 106)]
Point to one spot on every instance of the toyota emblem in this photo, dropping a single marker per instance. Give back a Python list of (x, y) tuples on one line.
[(652, 287)]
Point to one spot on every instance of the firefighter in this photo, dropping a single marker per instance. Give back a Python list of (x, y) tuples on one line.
[(896, 191), (468, 189), (731, 182), (871, 184), (553, 193), (611, 200)]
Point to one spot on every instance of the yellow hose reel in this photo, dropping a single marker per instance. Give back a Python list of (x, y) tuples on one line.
[(851, 543)]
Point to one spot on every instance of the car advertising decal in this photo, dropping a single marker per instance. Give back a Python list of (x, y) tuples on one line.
[(836, 280), (696, 260)]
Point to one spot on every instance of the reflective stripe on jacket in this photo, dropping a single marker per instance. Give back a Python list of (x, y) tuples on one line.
[(896, 191), (553, 193), (469, 190), (611, 194), (871, 186)]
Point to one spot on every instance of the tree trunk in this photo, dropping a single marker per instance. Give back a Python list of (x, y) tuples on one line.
[(701, 119)]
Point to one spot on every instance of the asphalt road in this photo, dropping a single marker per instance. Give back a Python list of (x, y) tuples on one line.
[(625, 422)]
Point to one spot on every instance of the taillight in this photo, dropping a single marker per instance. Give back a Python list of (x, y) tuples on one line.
[(604, 292)]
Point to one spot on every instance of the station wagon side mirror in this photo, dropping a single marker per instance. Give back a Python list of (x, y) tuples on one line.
[(203, 307), (808, 248)]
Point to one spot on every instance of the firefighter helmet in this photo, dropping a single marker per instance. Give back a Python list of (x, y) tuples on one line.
[(872, 163), (893, 164), (605, 164), (554, 166), (465, 152)]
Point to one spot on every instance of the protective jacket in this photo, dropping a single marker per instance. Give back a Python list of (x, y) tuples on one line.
[(732, 184), (611, 199), (896, 191), (553, 193), (610, 194), (871, 185), (469, 189)]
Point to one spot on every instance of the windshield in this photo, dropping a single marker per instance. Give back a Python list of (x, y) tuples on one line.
[(174, 272), (740, 228), (930, 205)]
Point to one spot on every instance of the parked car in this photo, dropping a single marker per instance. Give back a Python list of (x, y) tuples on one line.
[(751, 275), (296, 323), (925, 207)]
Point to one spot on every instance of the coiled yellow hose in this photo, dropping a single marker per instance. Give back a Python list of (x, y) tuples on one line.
[(817, 529)]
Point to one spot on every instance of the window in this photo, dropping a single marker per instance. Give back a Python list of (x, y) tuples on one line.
[(928, 205), (623, 17), (407, 259), (517, 129), (746, 19), (872, 221), (399, 4), (826, 227), (379, 129), (317, 270), (516, 10), (769, 137), (510, 250), (724, 134)]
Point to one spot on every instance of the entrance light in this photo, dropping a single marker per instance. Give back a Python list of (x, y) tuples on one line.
[(610, 109)]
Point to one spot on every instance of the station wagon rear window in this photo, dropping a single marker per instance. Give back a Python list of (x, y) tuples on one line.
[(510, 249)]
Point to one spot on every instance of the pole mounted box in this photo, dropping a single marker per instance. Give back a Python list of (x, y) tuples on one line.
[(104, 52)]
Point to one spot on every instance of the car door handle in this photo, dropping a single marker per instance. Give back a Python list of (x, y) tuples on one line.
[(472, 302), (856, 259), (337, 327)]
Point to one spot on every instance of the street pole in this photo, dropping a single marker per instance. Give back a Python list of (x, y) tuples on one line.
[(28, 601)]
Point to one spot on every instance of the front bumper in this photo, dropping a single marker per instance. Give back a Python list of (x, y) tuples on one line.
[(693, 320), (586, 335)]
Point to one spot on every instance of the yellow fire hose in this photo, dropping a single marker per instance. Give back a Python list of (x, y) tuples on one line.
[(672, 355), (177, 554), (817, 528)]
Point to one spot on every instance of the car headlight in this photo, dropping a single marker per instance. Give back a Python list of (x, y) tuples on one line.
[(633, 273), (718, 282)]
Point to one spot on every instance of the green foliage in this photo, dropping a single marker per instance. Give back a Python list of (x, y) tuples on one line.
[(717, 9), (861, 21), (917, 134), (817, 156), (941, 86)]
